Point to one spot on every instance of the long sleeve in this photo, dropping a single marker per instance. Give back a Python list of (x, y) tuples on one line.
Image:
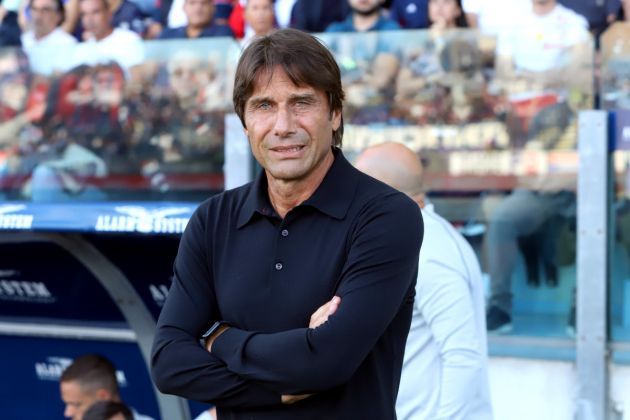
[(376, 281), (446, 304), (179, 365)]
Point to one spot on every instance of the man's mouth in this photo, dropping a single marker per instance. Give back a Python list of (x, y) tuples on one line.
[(287, 149)]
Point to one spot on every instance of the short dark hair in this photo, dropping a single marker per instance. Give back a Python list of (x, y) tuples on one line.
[(104, 410), (92, 372), (305, 60)]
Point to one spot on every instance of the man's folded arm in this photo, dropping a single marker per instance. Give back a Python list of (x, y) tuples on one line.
[(179, 364), (379, 275)]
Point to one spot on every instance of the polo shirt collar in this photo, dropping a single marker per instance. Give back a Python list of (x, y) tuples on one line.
[(333, 197)]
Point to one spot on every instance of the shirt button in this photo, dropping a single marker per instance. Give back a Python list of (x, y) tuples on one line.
[(284, 232), (278, 266)]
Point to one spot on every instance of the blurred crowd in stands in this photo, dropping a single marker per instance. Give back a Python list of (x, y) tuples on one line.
[(108, 87)]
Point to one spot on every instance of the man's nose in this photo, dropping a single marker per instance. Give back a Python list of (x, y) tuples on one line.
[(285, 123)]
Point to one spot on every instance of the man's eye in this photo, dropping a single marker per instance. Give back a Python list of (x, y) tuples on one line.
[(264, 105)]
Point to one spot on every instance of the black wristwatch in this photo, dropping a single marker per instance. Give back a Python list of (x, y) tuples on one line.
[(211, 330)]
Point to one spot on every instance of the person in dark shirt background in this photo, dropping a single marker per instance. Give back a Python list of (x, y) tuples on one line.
[(316, 15), (9, 28), (303, 280), (200, 15)]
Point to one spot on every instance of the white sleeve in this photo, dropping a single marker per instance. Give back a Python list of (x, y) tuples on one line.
[(446, 304)]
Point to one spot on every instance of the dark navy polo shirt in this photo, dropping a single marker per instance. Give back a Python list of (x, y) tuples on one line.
[(210, 31), (355, 237)]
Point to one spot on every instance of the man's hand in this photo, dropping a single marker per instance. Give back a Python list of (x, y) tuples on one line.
[(214, 336), (290, 399), (327, 309)]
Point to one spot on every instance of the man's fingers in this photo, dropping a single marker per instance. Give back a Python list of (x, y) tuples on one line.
[(323, 312), (333, 305), (290, 399)]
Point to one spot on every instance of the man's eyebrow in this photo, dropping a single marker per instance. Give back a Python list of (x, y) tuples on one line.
[(253, 101), (303, 97)]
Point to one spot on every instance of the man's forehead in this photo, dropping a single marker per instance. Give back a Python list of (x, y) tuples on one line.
[(45, 3), (265, 78)]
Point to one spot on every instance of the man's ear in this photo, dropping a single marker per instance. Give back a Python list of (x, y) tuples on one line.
[(103, 395)]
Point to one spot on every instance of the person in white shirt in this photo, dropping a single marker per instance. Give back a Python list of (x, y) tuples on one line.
[(493, 16), (544, 38), (444, 372), (105, 43), (46, 44)]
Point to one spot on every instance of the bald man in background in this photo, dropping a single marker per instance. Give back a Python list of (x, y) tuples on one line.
[(444, 372)]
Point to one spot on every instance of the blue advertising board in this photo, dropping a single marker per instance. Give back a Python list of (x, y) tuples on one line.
[(43, 282), (106, 217)]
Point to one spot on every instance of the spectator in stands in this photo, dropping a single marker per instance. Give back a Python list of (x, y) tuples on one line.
[(46, 44), (88, 379), (15, 81), (445, 365), (446, 14), (410, 14), (366, 15), (69, 24), (108, 410), (172, 14), (259, 19), (106, 43), (200, 15), (317, 15), (9, 28), (545, 49)]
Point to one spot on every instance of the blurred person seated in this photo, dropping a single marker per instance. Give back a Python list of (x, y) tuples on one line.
[(15, 87), (446, 14), (441, 81), (369, 66), (410, 14), (85, 139), (316, 15), (173, 15), (9, 28), (544, 41), (365, 15), (444, 372), (106, 43), (108, 410), (186, 123), (546, 51), (87, 380), (259, 19), (200, 15), (69, 24), (46, 43)]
